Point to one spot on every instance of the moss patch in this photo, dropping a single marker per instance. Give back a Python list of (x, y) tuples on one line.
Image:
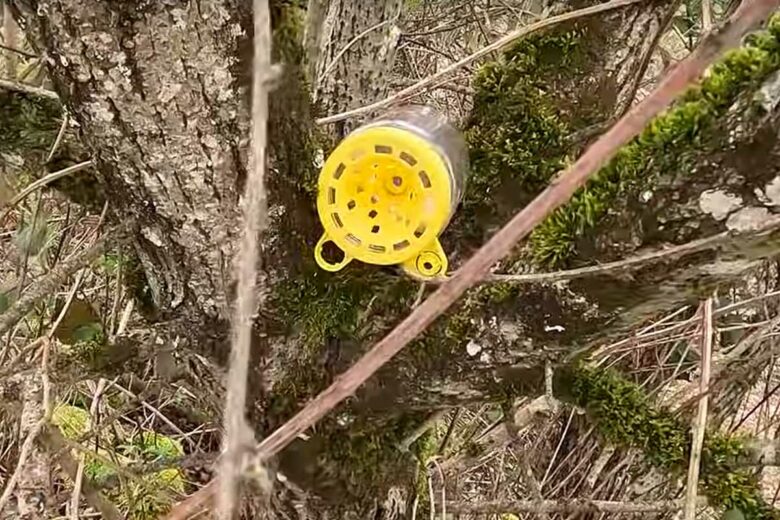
[(626, 416), (664, 146), (515, 134), (27, 123)]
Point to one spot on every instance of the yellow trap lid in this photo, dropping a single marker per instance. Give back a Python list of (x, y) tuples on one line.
[(384, 196)]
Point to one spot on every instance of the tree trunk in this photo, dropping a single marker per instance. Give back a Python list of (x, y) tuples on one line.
[(354, 55)]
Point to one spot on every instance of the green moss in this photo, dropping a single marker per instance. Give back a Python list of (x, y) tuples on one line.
[(626, 416), (154, 447), (71, 420), (153, 495), (515, 136), (664, 146), (89, 345), (323, 306), (363, 455), (27, 123)]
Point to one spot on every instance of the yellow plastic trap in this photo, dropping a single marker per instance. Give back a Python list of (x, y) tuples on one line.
[(386, 193)]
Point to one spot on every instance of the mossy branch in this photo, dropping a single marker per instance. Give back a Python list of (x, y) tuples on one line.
[(665, 145), (626, 416)]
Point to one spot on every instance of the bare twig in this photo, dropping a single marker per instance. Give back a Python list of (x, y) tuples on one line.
[(625, 264), (502, 42), (77, 481), (48, 283), (701, 418), (565, 506), (59, 446), (27, 89), (68, 303), (17, 51), (706, 16), (10, 32), (60, 135), (561, 189), (255, 221), (35, 430)]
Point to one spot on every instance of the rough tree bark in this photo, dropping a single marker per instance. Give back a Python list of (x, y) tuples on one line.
[(353, 55), (157, 90)]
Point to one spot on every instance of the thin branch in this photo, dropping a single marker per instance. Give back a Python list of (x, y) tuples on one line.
[(43, 181), (566, 506), (433, 80), (701, 419), (28, 89), (68, 303), (625, 264), (32, 434), (52, 437), (706, 16), (79, 477), (255, 221), (561, 189), (60, 135), (51, 281), (17, 51)]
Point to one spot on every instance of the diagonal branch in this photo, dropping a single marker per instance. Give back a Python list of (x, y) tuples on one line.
[(561, 189), (56, 277)]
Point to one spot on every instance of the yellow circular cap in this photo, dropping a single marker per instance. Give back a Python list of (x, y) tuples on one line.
[(384, 195)]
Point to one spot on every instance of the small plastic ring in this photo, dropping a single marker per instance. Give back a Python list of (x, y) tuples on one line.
[(324, 264)]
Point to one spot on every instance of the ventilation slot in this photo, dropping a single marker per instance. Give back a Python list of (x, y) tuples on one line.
[(351, 205), (352, 239), (419, 231), (372, 213), (375, 229), (336, 219), (339, 171), (408, 159), (331, 195), (382, 148), (403, 244), (426, 181), (377, 248)]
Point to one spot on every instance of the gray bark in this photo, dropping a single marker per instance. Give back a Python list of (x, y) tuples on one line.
[(355, 54), (154, 89)]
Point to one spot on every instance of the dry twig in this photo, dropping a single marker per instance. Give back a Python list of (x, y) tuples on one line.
[(28, 89), (35, 430), (701, 418), (255, 221), (77, 481), (625, 264), (56, 277), (431, 81), (575, 506), (562, 188)]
